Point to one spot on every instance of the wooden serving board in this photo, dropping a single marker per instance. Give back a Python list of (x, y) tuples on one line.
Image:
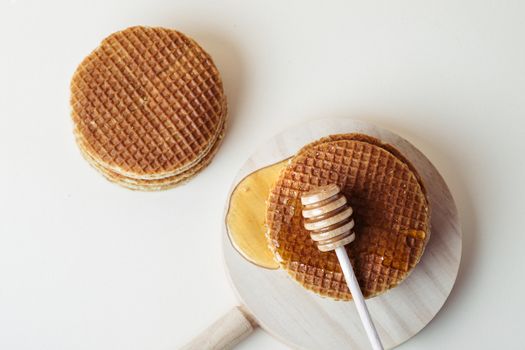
[(305, 320)]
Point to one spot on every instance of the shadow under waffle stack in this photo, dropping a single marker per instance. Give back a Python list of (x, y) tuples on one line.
[(148, 108), (391, 213)]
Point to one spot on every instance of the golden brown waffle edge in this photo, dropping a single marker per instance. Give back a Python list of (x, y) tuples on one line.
[(156, 184)]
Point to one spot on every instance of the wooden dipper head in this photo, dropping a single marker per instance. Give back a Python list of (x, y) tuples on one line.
[(328, 217)]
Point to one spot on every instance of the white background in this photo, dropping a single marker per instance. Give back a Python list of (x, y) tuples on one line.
[(85, 264)]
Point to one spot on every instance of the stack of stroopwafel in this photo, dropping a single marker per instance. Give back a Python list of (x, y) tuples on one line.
[(148, 108), (391, 212)]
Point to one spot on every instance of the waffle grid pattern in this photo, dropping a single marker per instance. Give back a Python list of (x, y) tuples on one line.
[(148, 103), (154, 184), (390, 210)]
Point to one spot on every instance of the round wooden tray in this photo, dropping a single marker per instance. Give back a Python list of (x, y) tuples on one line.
[(305, 320)]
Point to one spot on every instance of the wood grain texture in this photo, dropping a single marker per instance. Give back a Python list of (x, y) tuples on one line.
[(305, 320), (224, 333)]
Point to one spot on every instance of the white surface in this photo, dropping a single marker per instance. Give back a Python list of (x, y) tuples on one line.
[(85, 264)]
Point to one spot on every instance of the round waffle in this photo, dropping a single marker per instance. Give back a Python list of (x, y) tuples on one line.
[(148, 107), (391, 213)]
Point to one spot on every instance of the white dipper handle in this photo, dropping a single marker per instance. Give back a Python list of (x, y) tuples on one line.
[(360, 304), (328, 217)]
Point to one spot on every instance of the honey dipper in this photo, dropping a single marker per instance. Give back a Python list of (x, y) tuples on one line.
[(328, 217)]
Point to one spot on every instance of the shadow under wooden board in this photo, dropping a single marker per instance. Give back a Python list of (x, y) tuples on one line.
[(305, 320)]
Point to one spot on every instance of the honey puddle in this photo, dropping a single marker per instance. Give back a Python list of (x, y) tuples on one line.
[(246, 215)]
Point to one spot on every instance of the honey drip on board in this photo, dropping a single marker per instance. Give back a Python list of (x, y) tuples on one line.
[(246, 217)]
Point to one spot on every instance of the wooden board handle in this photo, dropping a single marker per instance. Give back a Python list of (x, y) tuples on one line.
[(224, 333)]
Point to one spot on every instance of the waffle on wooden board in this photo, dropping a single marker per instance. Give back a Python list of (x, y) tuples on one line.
[(391, 213)]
